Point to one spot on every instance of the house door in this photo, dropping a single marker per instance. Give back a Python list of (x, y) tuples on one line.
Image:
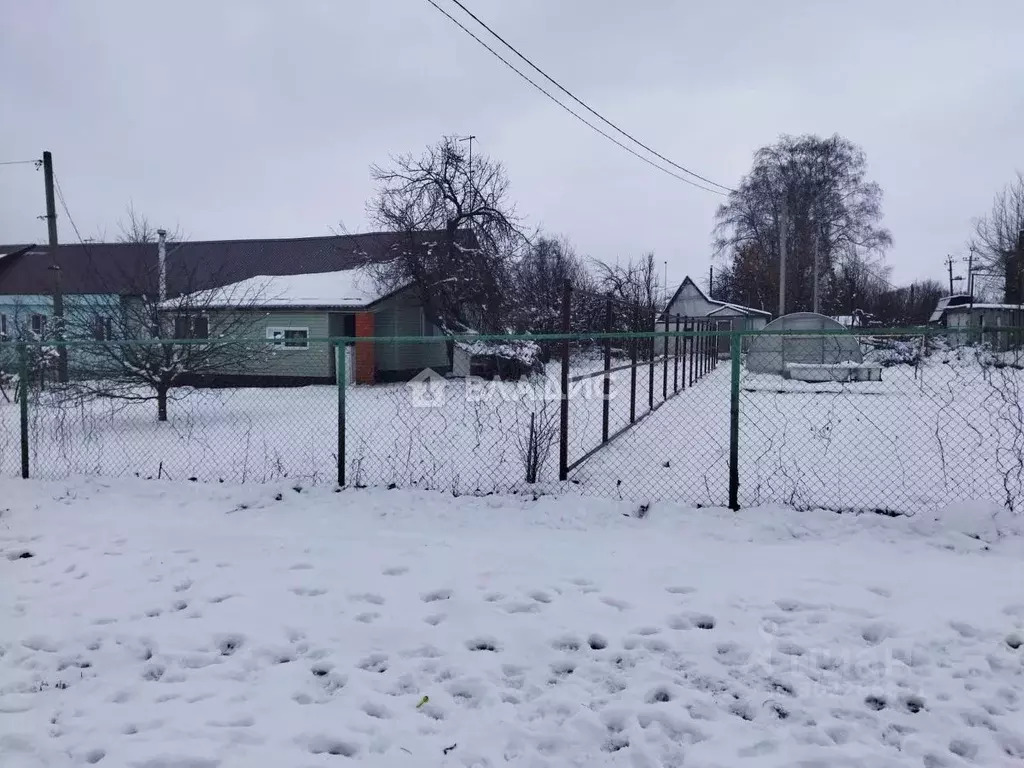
[(340, 324), (723, 341)]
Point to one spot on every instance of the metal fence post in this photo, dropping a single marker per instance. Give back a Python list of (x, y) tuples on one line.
[(735, 346), (650, 373), (664, 364), (606, 385), (23, 403), (563, 416), (632, 380), (675, 361), (342, 374)]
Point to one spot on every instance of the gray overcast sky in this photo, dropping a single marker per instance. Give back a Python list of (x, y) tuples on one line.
[(243, 119)]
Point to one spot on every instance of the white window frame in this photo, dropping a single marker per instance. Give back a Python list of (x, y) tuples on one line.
[(276, 337)]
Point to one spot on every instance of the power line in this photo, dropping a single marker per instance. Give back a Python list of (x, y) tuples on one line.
[(575, 114), (19, 162), (64, 205), (583, 104)]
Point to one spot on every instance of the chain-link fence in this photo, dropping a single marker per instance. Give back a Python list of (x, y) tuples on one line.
[(885, 421)]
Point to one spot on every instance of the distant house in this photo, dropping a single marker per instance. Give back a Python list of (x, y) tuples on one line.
[(690, 304), (970, 322), (312, 287)]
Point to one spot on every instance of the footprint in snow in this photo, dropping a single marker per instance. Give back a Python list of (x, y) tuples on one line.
[(368, 597), (396, 570), (615, 602), (308, 591), (680, 590), (436, 595)]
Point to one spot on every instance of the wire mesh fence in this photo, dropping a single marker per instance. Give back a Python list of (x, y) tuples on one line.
[(887, 421)]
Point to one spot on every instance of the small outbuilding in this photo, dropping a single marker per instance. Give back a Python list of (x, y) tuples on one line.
[(769, 353)]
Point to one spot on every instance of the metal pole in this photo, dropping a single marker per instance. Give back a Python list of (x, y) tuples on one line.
[(815, 300), (563, 416), (675, 361), (650, 373), (735, 344), (664, 364), (693, 350), (58, 292), (686, 330), (342, 375), (606, 385), (783, 231), (632, 379), (23, 403)]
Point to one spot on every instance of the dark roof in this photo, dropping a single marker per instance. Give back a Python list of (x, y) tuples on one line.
[(131, 269)]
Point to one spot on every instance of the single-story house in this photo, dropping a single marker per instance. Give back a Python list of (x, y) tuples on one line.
[(287, 311), (969, 322), (312, 287), (690, 304)]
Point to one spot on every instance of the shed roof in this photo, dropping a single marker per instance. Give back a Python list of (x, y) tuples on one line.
[(738, 307)]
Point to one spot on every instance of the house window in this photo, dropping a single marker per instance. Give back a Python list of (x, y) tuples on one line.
[(102, 328), (37, 323), (292, 338), (191, 327)]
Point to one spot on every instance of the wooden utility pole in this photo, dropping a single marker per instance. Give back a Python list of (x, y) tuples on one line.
[(783, 227), (711, 282), (949, 263), (58, 292)]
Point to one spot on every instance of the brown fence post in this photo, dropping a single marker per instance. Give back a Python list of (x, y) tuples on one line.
[(563, 422)]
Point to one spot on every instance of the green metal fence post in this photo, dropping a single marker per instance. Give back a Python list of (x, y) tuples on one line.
[(342, 374), (735, 346), (23, 403)]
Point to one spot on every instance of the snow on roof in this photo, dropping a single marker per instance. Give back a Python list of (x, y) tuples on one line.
[(347, 288), (1005, 307)]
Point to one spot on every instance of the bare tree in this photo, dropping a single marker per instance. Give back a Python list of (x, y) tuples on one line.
[(145, 346), (136, 228), (463, 276), (635, 289), (540, 276), (996, 238), (823, 186)]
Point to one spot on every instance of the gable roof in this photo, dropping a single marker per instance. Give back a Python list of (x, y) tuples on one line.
[(721, 304), (131, 268)]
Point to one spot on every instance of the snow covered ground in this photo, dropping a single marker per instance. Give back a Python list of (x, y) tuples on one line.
[(167, 625)]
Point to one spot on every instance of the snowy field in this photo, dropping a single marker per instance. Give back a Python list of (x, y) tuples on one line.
[(167, 625)]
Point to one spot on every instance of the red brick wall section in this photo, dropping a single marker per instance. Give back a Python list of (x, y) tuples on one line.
[(364, 350)]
